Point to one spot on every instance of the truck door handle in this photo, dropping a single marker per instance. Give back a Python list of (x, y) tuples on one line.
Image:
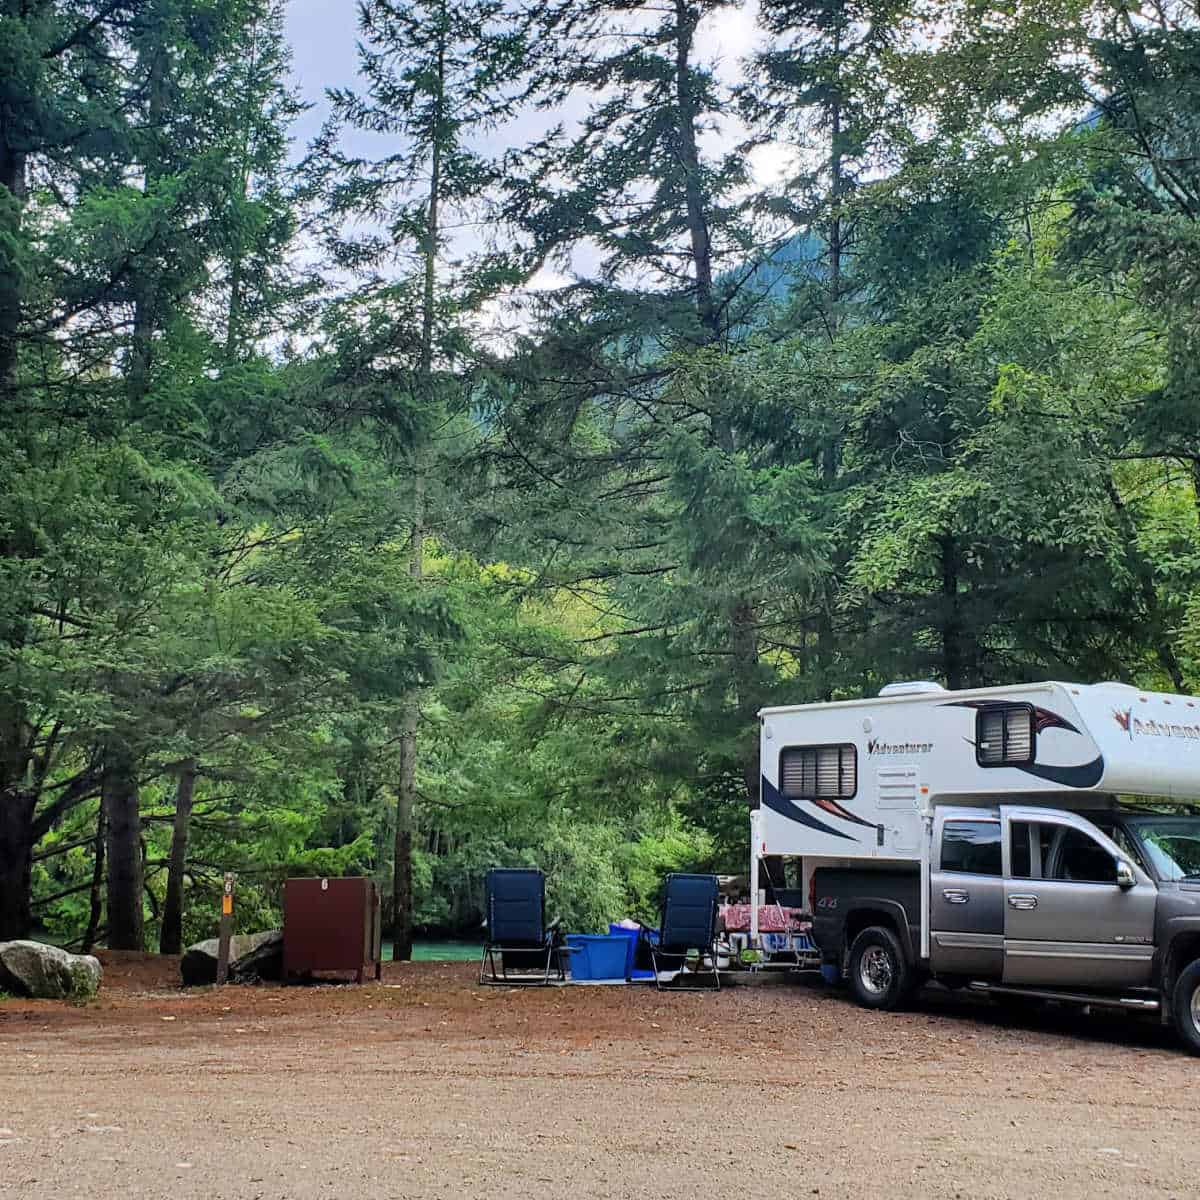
[(956, 896), (1023, 902)]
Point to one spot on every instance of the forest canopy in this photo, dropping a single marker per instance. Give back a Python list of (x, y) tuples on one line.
[(441, 495)]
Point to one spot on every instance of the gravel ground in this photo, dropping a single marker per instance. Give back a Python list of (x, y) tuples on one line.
[(429, 1086)]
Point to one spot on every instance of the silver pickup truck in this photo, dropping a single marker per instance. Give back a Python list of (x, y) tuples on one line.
[(1030, 905)]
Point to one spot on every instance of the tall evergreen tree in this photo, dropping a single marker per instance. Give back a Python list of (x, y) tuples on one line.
[(819, 91), (625, 408), (64, 130), (440, 75)]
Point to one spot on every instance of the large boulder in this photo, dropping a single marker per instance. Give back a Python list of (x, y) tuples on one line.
[(251, 956), (47, 973)]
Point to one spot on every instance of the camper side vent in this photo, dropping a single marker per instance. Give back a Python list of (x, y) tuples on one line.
[(1004, 735), (817, 772)]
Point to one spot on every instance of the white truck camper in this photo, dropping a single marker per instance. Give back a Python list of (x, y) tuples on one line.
[(1010, 838)]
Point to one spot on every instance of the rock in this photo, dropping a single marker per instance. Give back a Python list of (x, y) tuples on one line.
[(47, 973), (251, 956), (265, 961)]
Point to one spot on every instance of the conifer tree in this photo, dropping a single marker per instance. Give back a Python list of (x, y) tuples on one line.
[(440, 75), (819, 89)]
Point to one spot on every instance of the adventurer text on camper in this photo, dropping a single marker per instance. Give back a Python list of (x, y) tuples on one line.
[(1136, 726), (875, 746)]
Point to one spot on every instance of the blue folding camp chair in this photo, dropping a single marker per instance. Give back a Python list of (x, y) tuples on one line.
[(688, 921), (516, 930)]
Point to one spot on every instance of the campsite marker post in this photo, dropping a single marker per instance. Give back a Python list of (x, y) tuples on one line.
[(225, 931)]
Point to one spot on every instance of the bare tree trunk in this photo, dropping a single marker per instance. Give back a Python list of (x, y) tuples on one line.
[(170, 940), (121, 802), (97, 894)]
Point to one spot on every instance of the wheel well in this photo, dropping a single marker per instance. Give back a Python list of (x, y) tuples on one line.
[(864, 918), (1184, 949)]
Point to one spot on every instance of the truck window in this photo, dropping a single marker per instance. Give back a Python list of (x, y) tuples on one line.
[(1082, 859), (972, 847), (1023, 857)]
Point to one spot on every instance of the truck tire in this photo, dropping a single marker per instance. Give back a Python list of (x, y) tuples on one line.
[(880, 976), (1185, 1006)]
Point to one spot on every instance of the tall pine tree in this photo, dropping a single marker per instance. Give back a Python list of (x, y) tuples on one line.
[(440, 75)]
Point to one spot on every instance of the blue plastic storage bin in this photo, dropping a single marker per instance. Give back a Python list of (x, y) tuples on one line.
[(598, 956), (631, 936)]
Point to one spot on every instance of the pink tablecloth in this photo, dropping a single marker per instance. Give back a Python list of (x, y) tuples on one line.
[(771, 918)]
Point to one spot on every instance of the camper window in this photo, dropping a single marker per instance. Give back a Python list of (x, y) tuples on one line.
[(972, 847), (1004, 735), (817, 772)]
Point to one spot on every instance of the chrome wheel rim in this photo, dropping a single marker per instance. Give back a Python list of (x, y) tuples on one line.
[(1196, 1008), (875, 973)]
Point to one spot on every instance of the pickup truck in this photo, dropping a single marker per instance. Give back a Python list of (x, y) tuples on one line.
[(1028, 904)]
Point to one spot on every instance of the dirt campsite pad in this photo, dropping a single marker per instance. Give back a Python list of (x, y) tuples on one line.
[(428, 1085)]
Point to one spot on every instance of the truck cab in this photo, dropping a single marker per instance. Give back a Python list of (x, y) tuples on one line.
[(1039, 897), (1027, 902)]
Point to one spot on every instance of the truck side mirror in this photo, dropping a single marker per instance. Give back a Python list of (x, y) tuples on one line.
[(1125, 875)]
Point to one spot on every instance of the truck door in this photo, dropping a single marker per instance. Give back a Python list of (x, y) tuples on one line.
[(966, 907), (1068, 922)]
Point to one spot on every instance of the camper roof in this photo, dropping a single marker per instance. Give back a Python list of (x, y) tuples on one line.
[(911, 693)]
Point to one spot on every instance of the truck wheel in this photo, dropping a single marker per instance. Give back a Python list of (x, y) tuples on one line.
[(880, 976), (1185, 1006)]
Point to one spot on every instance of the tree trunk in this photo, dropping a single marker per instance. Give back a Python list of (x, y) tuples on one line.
[(97, 894), (17, 801), (744, 645), (1196, 483), (402, 923), (953, 666), (121, 802), (17, 834), (170, 939), (16, 864), (145, 284), (12, 204), (12, 198), (406, 782), (689, 155), (837, 187)]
